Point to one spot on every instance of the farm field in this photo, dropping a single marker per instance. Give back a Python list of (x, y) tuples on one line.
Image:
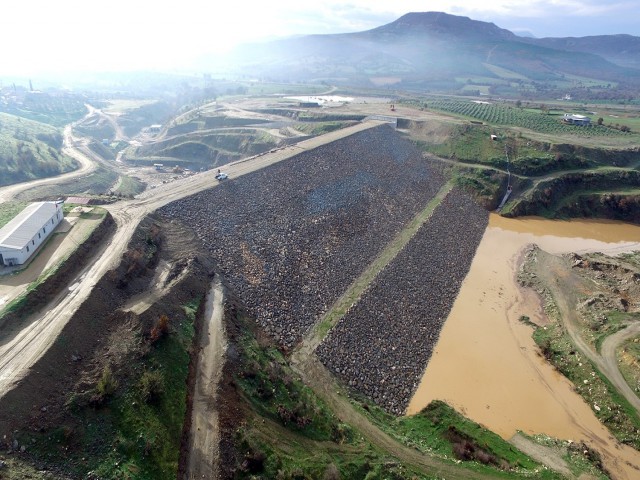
[(536, 120)]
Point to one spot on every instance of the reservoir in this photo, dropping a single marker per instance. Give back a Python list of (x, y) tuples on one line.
[(487, 366)]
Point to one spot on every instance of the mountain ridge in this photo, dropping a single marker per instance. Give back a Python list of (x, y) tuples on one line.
[(429, 50)]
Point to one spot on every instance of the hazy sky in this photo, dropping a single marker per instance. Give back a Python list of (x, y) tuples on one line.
[(71, 35)]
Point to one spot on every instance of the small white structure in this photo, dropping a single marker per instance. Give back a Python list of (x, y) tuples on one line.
[(574, 119), (22, 236)]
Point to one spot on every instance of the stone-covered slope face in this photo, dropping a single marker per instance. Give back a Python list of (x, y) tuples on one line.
[(382, 345), (291, 238)]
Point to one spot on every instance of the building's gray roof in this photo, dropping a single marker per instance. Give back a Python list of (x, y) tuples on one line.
[(575, 116), (19, 231)]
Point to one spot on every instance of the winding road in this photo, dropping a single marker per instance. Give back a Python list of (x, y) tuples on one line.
[(555, 275), (71, 147)]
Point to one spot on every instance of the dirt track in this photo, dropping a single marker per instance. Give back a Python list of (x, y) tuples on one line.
[(612, 342), (563, 284), (204, 437), (70, 149)]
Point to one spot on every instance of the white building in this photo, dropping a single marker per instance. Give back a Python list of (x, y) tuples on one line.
[(22, 236), (575, 119)]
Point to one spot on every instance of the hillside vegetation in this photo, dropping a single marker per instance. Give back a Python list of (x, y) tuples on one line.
[(206, 148), (30, 150), (555, 170)]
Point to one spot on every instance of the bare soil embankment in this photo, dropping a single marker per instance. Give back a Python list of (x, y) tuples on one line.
[(60, 396), (606, 193)]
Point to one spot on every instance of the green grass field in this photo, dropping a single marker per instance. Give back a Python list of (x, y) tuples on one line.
[(8, 210)]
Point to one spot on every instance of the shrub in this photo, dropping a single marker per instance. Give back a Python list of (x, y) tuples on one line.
[(160, 329), (151, 386), (107, 384), (253, 462)]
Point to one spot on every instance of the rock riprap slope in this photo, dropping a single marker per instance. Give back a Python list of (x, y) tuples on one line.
[(289, 239), (382, 345)]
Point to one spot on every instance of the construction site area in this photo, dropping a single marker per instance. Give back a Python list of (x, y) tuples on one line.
[(280, 282)]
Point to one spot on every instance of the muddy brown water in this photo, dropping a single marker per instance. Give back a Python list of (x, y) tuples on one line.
[(485, 363)]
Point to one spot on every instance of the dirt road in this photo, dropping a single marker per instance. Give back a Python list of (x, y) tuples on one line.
[(612, 342), (204, 437), (563, 284), (19, 350), (159, 287), (70, 148), (542, 454), (108, 117)]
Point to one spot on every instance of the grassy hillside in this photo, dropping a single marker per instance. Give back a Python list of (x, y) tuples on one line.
[(205, 149), (8, 210), (30, 150), (552, 175)]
